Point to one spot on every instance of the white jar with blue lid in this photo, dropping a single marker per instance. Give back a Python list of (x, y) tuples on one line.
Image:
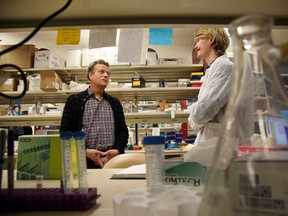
[(154, 151)]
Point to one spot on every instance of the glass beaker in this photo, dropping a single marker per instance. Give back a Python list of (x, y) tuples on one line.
[(247, 177)]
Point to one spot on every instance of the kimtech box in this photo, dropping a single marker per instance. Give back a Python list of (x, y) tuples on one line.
[(42, 155), (185, 173)]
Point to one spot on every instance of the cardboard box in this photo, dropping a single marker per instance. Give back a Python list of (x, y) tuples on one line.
[(3, 112), (23, 56), (50, 81), (42, 155), (46, 59), (9, 85)]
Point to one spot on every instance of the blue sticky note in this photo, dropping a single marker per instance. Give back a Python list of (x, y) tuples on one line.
[(160, 36)]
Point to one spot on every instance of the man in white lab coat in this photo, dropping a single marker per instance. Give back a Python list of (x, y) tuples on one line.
[(207, 113)]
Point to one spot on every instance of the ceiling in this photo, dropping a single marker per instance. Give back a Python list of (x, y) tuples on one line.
[(18, 18), (29, 13), (47, 39)]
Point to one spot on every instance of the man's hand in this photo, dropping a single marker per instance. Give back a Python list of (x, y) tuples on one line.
[(108, 155), (96, 155)]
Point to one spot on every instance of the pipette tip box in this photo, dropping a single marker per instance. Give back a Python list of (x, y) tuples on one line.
[(46, 199)]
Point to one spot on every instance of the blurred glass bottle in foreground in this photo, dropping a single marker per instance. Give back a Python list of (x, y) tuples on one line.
[(249, 174)]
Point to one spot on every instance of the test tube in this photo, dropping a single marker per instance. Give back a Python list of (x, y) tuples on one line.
[(10, 151), (154, 152), (67, 174), (3, 140), (81, 162)]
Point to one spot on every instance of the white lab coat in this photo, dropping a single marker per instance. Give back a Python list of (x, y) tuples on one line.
[(207, 113)]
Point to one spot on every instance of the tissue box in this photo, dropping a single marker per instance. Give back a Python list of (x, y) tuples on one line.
[(42, 155)]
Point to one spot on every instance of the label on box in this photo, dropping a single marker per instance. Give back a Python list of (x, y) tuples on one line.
[(46, 59), (41, 155), (263, 189)]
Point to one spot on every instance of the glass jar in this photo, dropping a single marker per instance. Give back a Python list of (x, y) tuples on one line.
[(249, 173)]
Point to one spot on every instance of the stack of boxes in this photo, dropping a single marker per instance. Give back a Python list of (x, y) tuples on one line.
[(27, 56), (195, 79)]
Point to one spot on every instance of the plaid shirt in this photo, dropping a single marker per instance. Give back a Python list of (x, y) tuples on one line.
[(98, 124), (73, 113)]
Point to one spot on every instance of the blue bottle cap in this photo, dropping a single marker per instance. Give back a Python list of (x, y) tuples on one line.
[(153, 140), (66, 135), (79, 135)]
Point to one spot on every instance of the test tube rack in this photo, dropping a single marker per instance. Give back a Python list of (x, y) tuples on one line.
[(46, 199)]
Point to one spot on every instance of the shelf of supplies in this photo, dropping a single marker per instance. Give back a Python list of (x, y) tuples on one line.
[(29, 120), (155, 117), (170, 152), (125, 73), (142, 94), (131, 118)]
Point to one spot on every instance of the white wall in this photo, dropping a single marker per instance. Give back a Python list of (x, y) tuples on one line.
[(182, 45)]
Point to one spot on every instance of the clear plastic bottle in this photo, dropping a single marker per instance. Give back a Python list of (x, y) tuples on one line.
[(67, 174), (252, 183), (154, 151), (79, 137)]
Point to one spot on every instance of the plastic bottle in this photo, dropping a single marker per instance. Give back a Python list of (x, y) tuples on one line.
[(67, 174), (154, 151), (130, 137), (79, 137), (250, 184)]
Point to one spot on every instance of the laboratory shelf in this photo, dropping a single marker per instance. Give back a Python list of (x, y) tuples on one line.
[(131, 118), (142, 94)]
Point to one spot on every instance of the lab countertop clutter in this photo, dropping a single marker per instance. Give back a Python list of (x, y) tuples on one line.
[(96, 192), (115, 197), (97, 178)]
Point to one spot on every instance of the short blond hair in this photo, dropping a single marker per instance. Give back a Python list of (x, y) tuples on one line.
[(220, 38)]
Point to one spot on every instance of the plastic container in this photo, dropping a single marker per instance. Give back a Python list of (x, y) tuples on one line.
[(67, 174), (79, 137), (154, 151)]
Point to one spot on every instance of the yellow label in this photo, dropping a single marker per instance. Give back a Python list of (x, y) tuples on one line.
[(68, 37), (136, 83)]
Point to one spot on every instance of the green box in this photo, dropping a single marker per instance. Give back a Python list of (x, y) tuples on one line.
[(42, 155)]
